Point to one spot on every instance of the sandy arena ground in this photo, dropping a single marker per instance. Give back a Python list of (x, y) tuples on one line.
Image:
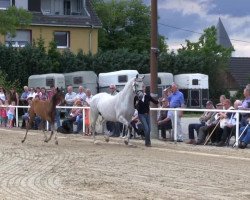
[(79, 169)]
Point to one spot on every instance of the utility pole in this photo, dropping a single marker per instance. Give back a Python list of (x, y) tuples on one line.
[(153, 67)]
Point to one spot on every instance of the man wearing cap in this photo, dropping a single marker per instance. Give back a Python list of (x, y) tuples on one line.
[(196, 126), (162, 115)]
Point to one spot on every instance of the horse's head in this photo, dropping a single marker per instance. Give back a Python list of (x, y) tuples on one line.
[(59, 96), (138, 86)]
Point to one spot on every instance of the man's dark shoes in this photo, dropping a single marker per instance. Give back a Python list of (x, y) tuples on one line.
[(242, 145), (199, 143), (191, 141), (220, 144), (148, 145)]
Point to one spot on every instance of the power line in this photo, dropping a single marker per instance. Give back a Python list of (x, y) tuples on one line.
[(178, 28)]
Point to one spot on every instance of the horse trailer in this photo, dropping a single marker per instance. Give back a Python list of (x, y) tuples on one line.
[(47, 80), (164, 80), (87, 79), (118, 78), (194, 87)]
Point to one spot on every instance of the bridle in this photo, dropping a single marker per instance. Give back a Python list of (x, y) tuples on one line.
[(138, 86)]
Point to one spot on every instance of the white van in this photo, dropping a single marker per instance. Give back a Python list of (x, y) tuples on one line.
[(194, 87), (87, 79), (47, 80), (118, 78)]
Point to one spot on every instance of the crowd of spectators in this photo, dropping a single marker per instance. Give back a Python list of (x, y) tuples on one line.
[(215, 128), (10, 99)]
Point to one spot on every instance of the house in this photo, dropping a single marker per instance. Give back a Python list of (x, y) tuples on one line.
[(238, 73), (72, 24)]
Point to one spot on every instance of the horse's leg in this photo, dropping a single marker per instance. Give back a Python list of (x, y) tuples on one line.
[(43, 124), (126, 123), (28, 125), (105, 130), (27, 129), (56, 141), (51, 133), (93, 118)]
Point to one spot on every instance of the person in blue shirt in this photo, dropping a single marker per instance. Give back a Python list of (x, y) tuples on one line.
[(176, 100)]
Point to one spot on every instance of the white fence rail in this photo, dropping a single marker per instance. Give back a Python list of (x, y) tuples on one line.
[(156, 109)]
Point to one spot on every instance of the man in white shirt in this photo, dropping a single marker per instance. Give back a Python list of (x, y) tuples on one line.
[(70, 98), (81, 94)]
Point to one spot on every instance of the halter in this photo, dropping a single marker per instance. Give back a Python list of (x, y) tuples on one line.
[(137, 85)]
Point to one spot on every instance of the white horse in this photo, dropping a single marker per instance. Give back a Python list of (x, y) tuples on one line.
[(118, 108)]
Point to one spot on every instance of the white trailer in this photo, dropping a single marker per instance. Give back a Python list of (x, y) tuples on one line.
[(47, 80), (194, 87), (164, 80), (118, 78), (87, 79)]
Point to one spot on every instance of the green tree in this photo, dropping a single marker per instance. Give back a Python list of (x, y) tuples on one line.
[(13, 18), (54, 58), (4, 82), (125, 24), (120, 59)]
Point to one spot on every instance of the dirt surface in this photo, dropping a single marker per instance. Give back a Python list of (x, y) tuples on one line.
[(79, 169)]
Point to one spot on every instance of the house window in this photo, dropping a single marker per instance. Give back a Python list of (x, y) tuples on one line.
[(22, 38), (21, 4), (34, 5), (62, 39), (67, 7), (4, 4)]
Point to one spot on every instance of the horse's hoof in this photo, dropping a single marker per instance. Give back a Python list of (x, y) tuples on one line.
[(46, 141), (56, 142), (23, 141), (126, 142), (106, 138)]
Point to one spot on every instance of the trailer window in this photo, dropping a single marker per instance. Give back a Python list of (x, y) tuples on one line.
[(195, 82), (123, 79), (77, 80), (159, 80), (50, 82)]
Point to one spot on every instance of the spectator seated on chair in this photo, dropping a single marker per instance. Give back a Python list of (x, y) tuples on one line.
[(79, 121), (163, 124), (67, 124), (136, 125), (196, 126), (229, 129)]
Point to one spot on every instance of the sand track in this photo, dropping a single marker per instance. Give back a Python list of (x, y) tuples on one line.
[(79, 169)]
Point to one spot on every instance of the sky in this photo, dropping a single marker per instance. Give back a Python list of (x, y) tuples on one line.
[(196, 15)]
